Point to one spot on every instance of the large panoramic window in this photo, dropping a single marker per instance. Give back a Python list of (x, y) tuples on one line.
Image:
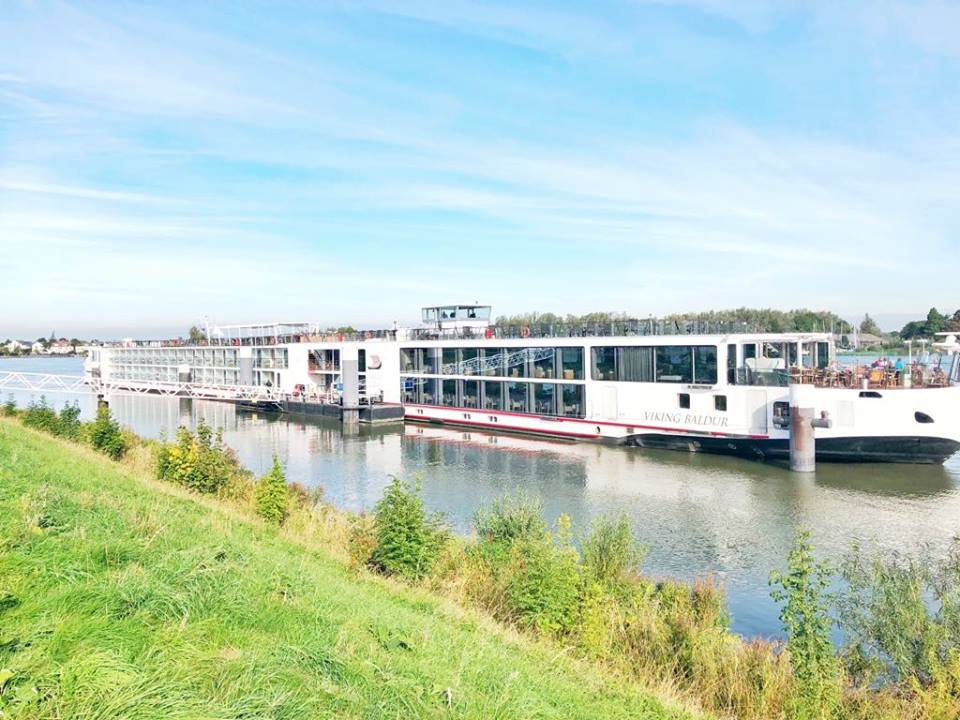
[(543, 362), (515, 363), (492, 361), (448, 361), (493, 395), (471, 393), (571, 363), (449, 393), (468, 361), (571, 400), (517, 397), (674, 363), (429, 391), (407, 360), (544, 398), (604, 363), (705, 364)]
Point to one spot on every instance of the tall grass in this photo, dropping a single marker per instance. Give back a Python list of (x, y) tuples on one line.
[(123, 597)]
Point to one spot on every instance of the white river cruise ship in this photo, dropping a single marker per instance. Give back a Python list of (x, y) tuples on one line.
[(654, 384)]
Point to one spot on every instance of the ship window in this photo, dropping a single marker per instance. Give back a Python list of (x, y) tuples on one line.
[(517, 396), (604, 363), (448, 361), (572, 401), (468, 361), (492, 359), (544, 395), (635, 364), (732, 364), (922, 418), (493, 395), (406, 360), (870, 394), (430, 391), (543, 365), (471, 393), (516, 362), (571, 362), (684, 399), (705, 365), (449, 393), (674, 363), (720, 403)]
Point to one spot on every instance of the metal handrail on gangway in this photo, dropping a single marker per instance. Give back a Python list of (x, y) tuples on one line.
[(48, 382)]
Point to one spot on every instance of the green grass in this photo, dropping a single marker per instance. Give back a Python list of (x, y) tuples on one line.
[(120, 598)]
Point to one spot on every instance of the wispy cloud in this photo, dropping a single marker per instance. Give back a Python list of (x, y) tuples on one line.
[(657, 155)]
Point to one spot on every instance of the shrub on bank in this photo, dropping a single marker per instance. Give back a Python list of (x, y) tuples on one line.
[(40, 416), (271, 495), (901, 616), (198, 460), (610, 552), (10, 406), (409, 541), (106, 435), (805, 616)]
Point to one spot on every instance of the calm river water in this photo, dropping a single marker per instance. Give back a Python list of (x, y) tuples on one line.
[(698, 514)]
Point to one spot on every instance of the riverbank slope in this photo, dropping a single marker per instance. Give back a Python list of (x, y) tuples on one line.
[(120, 597)]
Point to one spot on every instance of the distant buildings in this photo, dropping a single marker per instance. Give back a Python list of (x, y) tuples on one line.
[(61, 347)]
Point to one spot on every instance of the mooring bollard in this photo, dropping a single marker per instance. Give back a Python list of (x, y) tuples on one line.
[(350, 410), (803, 448)]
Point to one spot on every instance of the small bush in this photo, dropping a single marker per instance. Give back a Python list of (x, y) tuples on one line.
[(40, 416), (198, 461), (409, 541), (271, 497), (901, 615), (512, 517), (806, 620), (362, 542), (68, 423), (10, 406), (544, 585), (610, 551), (106, 435)]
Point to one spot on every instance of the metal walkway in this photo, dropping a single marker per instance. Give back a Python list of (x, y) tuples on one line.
[(77, 384)]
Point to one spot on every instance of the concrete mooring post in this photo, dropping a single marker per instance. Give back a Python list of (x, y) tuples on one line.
[(803, 448), (350, 398)]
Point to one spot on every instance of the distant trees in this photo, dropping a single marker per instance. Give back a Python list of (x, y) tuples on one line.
[(549, 318), (196, 336), (868, 325), (767, 319), (934, 323)]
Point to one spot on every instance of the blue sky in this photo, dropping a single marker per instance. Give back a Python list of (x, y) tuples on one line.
[(351, 161)]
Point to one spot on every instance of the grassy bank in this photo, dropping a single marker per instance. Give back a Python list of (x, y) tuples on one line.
[(124, 597), (517, 580)]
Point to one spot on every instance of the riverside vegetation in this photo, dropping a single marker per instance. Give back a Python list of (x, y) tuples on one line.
[(583, 595)]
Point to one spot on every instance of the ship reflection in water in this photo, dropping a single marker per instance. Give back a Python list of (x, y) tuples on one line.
[(699, 514)]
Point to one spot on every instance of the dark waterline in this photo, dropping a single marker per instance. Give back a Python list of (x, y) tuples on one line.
[(699, 514)]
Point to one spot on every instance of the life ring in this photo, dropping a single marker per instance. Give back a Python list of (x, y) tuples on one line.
[(525, 331), (488, 333)]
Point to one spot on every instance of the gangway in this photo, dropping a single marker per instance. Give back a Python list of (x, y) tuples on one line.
[(78, 384)]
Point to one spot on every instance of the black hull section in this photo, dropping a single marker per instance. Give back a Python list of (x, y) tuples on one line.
[(889, 449)]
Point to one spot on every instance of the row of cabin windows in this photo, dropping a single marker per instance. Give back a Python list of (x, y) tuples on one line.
[(661, 363), (220, 357), (562, 399), (533, 362)]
